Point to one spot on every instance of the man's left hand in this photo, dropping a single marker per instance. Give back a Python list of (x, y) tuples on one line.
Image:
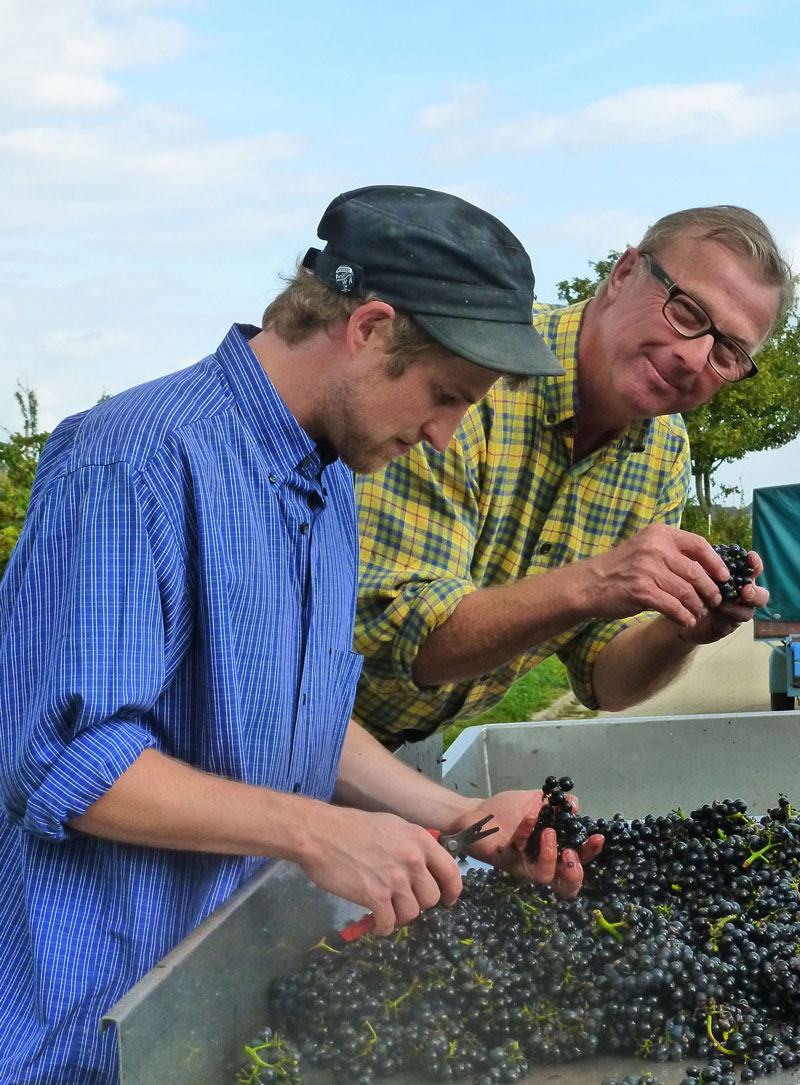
[(721, 621), (515, 813)]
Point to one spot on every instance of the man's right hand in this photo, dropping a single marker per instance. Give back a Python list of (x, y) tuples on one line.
[(390, 866), (662, 568)]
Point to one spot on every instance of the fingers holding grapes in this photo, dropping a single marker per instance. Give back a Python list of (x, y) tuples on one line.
[(674, 572), (554, 846), (740, 596)]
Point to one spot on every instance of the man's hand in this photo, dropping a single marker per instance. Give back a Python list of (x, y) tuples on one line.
[(515, 812), (388, 865), (662, 568), (718, 622)]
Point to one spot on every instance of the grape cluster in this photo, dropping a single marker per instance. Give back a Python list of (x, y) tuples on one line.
[(556, 813), (741, 572), (271, 1058), (683, 946)]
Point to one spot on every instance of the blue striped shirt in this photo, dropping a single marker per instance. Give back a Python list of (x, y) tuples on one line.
[(185, 581)]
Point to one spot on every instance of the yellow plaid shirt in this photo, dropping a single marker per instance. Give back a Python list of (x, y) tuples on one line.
[(502, 502)]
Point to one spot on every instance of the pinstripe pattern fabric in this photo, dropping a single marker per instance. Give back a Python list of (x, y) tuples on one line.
[(503, 501), (185, 581)]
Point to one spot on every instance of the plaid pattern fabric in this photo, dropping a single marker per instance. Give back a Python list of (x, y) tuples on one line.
[(502, 502), (186, 580)]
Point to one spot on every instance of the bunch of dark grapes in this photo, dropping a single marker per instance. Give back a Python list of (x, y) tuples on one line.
[(556, 813), (271, 1060), (683, 947), (739, 568)]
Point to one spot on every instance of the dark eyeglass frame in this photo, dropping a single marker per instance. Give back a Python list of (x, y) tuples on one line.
[(673, 290)]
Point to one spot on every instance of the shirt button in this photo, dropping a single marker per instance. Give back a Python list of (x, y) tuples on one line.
[(304, 528), (273, 479), (550, 417), (545, 548)]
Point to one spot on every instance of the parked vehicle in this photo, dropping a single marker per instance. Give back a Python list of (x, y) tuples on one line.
[(776, 537)]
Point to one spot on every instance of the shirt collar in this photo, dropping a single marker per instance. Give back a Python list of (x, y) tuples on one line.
[(285, 443), (560, 328)]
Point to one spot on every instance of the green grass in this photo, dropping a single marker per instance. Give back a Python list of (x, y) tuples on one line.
[(530, 694)]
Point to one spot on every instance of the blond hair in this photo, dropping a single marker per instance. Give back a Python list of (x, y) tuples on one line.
[(307, 306)]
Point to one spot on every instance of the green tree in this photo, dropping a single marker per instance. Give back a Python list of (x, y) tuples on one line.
[(571, 291), (752, 415), (19, 456), (722, 525)]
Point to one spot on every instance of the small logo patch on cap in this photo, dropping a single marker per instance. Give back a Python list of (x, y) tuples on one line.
[(345, 278)]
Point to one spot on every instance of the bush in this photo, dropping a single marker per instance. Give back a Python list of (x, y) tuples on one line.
[(728, 525), (530, 694)]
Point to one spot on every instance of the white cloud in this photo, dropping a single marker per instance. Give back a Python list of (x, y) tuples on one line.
[(140, 5), (700, 112), (466, 104), (73, 340), (130, 160), (597, 231), (81, 344), (57, 176), (56, 55)]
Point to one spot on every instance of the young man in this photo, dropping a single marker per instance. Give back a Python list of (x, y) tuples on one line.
[(551, 522), (176, 664)]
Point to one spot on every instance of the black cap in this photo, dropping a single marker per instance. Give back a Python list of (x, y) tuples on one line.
[(462, 274)]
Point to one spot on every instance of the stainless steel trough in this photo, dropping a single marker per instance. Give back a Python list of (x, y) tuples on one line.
[(636, 765), (186, 1021)]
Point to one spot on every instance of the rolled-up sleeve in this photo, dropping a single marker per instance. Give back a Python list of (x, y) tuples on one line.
[(83, 652), (419, 521)]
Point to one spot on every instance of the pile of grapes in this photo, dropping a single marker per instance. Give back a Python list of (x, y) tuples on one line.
[(684, 944)]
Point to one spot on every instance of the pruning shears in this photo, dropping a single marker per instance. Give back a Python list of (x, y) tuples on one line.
[(457, 844)]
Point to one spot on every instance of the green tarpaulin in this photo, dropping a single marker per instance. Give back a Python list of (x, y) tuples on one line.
[(776, 537)]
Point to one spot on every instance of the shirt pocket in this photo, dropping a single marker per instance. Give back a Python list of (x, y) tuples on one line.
[(322, 723)]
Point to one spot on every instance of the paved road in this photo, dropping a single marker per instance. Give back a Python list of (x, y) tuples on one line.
[(729, 676)]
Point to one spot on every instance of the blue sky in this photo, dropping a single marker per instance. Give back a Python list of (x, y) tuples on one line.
[(163, 163)]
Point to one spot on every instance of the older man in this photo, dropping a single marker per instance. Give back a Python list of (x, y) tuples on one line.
[(551, 522)]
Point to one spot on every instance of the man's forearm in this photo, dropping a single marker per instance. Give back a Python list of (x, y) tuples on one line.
[(638, 662), (662, 568), (490, 626), (370, 778), (162, 803)]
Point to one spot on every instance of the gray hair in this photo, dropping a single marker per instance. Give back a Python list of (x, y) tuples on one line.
[(739, 230)]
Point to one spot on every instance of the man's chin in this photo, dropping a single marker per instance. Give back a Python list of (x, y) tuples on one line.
[(368, 462)]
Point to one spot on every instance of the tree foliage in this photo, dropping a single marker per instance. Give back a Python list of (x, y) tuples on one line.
[(19, 456), (571, 291), (750, 416), (720, 524)]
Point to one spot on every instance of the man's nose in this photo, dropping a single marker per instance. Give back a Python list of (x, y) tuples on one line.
[(438, 431), (694, 352)]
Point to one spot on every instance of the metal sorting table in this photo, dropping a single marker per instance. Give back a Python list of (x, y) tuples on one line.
[(188, 1019)]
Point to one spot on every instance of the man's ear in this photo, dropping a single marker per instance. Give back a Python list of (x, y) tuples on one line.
[(368, 318), (622, 270)]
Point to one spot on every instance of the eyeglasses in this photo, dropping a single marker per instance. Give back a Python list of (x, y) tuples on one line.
[(689, 319)]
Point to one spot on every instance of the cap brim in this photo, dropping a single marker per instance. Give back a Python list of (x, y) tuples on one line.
[(504, 347)]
